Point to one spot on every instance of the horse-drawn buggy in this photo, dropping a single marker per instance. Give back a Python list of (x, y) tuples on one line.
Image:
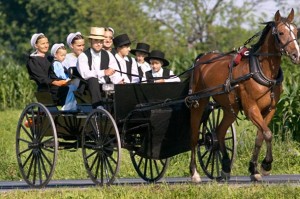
[(150, 120), (157, 121)]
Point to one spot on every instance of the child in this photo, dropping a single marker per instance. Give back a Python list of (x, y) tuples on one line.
[(158, 74), (58, 51), (142, 51), (127, 66)]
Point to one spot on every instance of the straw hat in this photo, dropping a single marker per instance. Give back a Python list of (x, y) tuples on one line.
[(97, 33)]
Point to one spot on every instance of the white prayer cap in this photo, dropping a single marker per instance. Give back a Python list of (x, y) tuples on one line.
[(111, 29), (55, 47), (71, 37), (34, 38)]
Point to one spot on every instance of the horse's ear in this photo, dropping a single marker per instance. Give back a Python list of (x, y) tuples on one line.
[(290, 18), (277, 16)]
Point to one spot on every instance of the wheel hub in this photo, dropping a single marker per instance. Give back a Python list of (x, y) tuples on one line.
[(211, 141)]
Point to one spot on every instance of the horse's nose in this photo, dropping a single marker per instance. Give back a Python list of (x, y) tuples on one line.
[(295, 56)]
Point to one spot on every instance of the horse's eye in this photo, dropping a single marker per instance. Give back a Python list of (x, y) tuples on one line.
[(281, 33)]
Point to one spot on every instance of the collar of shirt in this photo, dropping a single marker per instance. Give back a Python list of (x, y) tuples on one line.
[(158, 73), (95, 54), (144, 66)]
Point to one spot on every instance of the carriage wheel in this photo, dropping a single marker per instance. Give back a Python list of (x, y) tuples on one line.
[(209, 155), (36, 145), (101, 147), (149, 170)]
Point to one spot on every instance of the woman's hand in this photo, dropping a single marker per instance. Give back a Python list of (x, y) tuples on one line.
[(60, 82)]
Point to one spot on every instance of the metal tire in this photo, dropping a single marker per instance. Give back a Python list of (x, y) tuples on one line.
[(36, 145)]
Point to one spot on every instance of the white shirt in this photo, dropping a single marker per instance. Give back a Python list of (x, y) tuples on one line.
[(172, 78), (134, 70), (144, 67), (70, 60), (85, 72)]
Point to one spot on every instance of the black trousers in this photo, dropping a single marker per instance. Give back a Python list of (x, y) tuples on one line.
[(95, 91)]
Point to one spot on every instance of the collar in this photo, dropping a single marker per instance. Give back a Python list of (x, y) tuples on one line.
[(95, 54), (158, 73)]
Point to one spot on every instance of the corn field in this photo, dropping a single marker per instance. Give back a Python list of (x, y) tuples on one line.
[(16, 89)]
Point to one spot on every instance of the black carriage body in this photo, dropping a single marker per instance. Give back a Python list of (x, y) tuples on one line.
[(68, 124), (152, 126)]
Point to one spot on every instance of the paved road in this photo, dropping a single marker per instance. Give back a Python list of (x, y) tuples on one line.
[(272, 179)]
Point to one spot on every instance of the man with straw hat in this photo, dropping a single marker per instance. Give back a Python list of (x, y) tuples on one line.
[(96, 65)]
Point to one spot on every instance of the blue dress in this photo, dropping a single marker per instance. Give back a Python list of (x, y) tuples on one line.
[(70, 103)]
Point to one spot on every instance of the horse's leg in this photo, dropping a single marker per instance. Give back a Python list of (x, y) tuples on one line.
[(196, 115), (263, 133), (227, 120), (266, 164)]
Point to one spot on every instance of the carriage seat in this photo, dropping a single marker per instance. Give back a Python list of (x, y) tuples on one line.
[(45, 98)]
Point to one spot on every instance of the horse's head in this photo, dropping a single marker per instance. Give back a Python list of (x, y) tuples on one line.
[(285, 33)]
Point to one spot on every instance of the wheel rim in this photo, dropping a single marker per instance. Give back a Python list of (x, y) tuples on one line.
[(209, 155), (36, 145), (149, 170), (101, 147)]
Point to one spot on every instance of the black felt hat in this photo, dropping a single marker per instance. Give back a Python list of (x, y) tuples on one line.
[(121, 40), (141, 47), (157, 54)]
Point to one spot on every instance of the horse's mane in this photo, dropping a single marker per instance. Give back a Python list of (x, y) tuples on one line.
[(264, 33)]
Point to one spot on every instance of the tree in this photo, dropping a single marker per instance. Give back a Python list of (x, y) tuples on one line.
[(56, 19), (196, 24)]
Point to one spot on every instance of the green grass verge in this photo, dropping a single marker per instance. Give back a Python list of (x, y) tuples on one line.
[(161, 191), (70, 166)]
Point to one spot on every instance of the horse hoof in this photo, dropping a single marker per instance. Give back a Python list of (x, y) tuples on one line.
[(225, 176), (256, 177), (196, 178), (264, 172)]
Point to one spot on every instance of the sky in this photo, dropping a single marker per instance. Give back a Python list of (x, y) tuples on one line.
[(270, 7)]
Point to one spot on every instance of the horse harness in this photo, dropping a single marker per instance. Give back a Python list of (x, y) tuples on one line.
[(255, 69), (230, 84)]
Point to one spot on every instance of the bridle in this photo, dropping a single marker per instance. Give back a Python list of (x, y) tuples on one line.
[(279, 43)]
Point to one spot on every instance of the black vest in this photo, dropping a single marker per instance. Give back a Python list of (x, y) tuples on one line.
[(150, 78), (128, 66), (103, 63), (140, 73)]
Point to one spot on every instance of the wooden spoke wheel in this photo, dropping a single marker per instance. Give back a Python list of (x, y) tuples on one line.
[(149, 170), (36, 145), (101, 147), (209, 154)]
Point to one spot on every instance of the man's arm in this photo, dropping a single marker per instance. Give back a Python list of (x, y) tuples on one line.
[(84, 68)]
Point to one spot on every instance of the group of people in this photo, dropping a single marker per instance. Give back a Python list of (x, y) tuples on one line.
[(99, 64)]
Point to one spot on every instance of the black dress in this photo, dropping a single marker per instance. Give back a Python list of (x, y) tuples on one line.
[(40, 70)]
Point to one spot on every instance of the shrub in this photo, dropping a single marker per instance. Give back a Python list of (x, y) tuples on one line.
[(286, 122)]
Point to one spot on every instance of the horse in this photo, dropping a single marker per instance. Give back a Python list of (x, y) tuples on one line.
[(252, 85)]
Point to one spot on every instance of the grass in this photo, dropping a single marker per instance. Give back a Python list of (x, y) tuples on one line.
[(70, 166), (161, 191)]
